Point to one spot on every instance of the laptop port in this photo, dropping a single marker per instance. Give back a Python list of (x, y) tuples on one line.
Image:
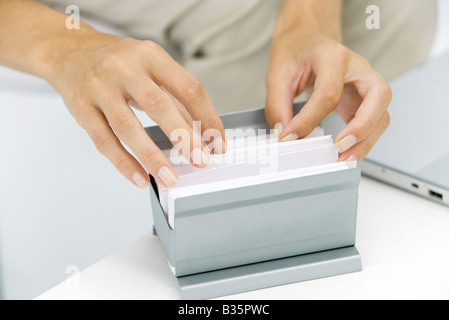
[(435, 194), (414, 185)]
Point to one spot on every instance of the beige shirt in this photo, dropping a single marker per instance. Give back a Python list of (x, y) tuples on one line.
[(225, 44)]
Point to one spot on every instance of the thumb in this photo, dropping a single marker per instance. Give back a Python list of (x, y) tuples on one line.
[(279, 100)]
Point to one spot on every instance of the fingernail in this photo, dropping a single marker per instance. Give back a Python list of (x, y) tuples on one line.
[(289, 137), (200, 157), (277, 129), (167, 176), (351, 158), (218, 146), (346, 143), (140, 180)]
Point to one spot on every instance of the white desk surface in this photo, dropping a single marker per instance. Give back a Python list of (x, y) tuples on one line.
[(403, 240)]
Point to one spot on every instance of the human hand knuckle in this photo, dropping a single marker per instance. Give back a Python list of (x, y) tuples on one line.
[(361, 60), (194, 89), (101, 142), (112, 60), (120, 164), (338, 49), (386, 91), (307, 124), (155, 102), (332, 95), (80, 111), (122, 124), (213, 123), (363, 126), (94, 82), (148, 157), (150, 45), (364, 149), (382, 90)]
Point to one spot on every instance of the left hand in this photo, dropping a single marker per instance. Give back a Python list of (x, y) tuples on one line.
[(303, 58)]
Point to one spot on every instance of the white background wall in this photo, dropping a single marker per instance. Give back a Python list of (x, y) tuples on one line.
[(61, 203)]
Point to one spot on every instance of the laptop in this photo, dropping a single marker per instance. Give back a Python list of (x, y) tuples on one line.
[(413, 154)]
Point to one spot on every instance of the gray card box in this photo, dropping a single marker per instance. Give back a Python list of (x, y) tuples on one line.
[(253, 232)]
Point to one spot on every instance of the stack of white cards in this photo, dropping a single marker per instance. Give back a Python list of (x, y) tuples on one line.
[(250, 161)]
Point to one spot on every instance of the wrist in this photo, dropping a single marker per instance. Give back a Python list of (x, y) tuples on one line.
[(319, 15), (51, 53)]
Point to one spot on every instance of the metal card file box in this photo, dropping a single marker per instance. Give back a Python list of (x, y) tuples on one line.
[(262, 235)]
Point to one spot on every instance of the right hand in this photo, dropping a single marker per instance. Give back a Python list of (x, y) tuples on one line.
[(101, 75)]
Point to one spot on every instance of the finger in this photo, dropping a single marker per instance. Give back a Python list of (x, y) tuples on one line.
[(188, 90), (128, 129), (376, 95), (108, 145), (215, 144), (211, 135), (161, 108), (361, 149), (328, 88), (281, 83), (182, 110)]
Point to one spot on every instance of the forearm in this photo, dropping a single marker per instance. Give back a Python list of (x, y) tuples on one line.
[(33, 37), (324, 15)]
